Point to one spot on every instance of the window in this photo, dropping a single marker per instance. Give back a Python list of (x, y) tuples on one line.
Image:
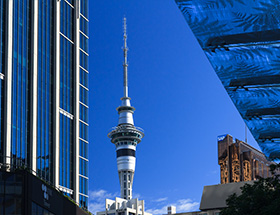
[(84, 77)]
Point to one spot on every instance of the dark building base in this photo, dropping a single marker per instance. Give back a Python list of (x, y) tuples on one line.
[(22, 193)]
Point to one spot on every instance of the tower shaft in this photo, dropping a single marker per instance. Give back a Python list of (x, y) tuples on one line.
[(126, 181)]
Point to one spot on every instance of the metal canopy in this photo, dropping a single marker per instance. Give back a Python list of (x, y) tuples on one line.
[(241, 39)]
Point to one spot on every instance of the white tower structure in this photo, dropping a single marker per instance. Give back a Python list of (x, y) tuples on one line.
[(126, 136)]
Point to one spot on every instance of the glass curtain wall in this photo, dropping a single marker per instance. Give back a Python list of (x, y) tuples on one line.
[(83, 174), (66, 93), (2, 71), (45, 88), (21, 82)]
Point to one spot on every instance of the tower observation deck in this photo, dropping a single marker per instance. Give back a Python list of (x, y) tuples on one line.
[(126, 136)]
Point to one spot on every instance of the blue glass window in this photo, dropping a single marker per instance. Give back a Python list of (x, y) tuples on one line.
[(1, 121), (71, 2), (83, 201), (66, 75), (84, 7), (83, 113), (66, 19), (66, 152), (2, 35), (84, 25), (83, 60), (83, 149), (83, 185), (21, 82), (84, 77), (45, 93), (83, 43), (83, 131), (84, 95), (2, 70), (83, 167)]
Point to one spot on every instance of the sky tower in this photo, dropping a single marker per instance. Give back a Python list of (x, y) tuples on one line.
[(126, 136)]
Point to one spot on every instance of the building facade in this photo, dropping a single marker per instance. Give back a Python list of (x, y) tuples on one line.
[(239, 161), (23, 193), (214, 198), (121, 206), (44, 91)]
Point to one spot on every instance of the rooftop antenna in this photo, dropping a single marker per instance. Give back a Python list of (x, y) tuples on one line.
[(125, 64)]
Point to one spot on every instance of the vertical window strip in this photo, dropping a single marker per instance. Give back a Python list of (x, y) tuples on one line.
[(83, 95), (2, 66), (66, 75), (84, 78), (21, 87), (83, 131), (83, 201), (44, 110), (83, 110), (66, 152), (83, 149), (83, 113), (1, 125), (84, 25), (83, 42), (84, 7), (66, 20), (83, 60), (83, 167), (2, 35)]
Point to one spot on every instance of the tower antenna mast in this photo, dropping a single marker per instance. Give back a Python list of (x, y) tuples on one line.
[(125, 64)]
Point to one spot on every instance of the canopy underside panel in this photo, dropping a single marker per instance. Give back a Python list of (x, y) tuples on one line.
[(241, 39)]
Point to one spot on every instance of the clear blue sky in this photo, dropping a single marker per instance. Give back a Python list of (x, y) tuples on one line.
[(179, 100)]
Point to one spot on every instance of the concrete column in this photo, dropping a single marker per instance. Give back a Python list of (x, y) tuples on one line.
[(34, 87), (143, 206), (56, 90), (76, 102)]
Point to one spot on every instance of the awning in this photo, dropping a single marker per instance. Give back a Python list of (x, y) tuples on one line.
[(241, 39)]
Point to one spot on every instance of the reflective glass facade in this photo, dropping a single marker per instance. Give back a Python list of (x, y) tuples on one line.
[(3, 21), (45, 108), (83, 174), (44, 91), (21, 81), (2, 35), (67, 60), (241, 40), (66, 152)]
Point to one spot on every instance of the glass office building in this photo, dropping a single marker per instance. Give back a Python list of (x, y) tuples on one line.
[(44, 91)]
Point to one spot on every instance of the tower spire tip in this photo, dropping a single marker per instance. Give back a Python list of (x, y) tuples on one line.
[(125, 64)]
